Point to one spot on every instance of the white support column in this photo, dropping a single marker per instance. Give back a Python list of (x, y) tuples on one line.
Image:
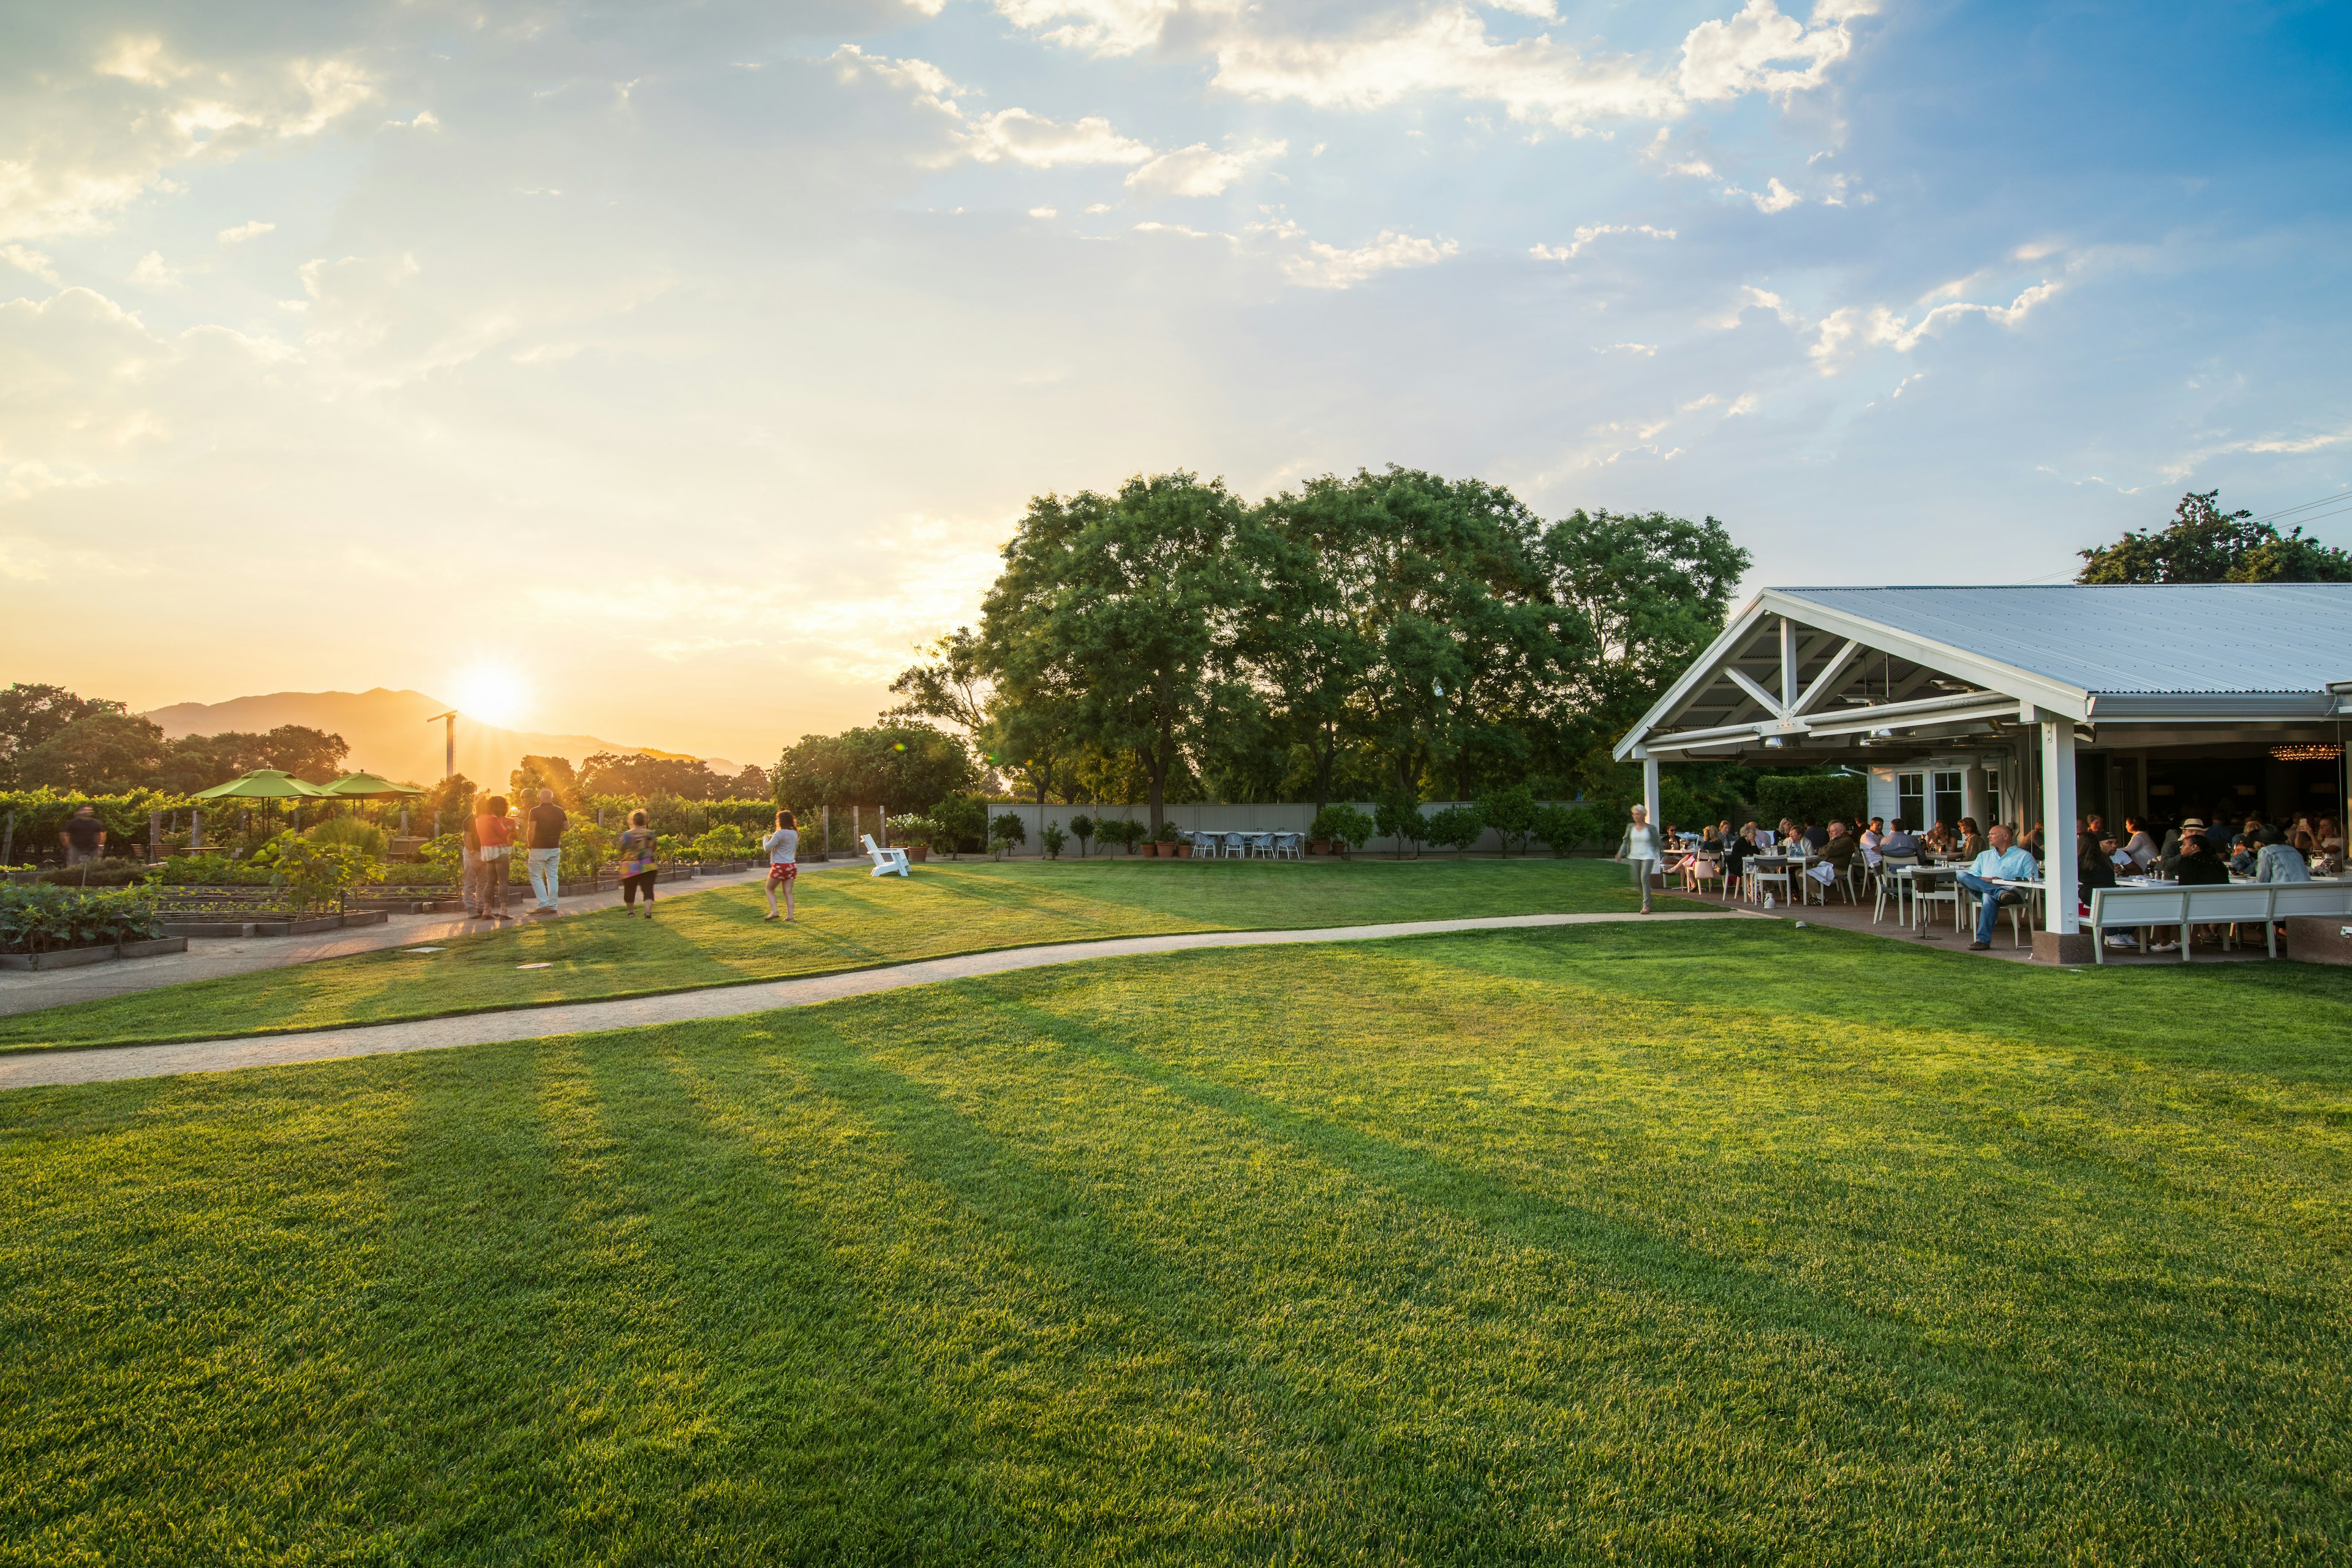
[(2061, 881), (1787, 665), (1650, 789)]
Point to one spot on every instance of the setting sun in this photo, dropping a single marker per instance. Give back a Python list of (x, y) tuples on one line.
[(493, 695)]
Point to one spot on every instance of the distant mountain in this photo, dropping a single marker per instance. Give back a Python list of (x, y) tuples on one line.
[(389, 732)]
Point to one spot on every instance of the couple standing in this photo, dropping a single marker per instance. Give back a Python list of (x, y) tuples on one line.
[(490, 844)]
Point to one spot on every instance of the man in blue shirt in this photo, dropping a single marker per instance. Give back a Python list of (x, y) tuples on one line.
[(2000, 860)]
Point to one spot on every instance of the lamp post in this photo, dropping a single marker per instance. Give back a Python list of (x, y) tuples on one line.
[(448, 723)]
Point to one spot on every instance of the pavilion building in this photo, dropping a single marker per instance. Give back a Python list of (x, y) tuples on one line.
[(2033, 704)]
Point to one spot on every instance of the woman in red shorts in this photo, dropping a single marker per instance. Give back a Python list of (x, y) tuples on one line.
[(783, 847)]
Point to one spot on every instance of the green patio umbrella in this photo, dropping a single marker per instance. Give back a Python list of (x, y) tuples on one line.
[(265, 783), (372, 787), (367, 786)]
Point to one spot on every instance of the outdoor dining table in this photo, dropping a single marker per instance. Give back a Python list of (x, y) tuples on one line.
[(1910, 876)]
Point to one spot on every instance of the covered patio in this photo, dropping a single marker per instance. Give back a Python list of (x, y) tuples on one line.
[(2045, 704)]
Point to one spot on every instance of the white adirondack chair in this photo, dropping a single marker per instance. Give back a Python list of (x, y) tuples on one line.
[(886, 861)]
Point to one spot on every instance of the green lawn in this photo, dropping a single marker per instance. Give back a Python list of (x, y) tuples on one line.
[(847, 921), (1720, 1243)]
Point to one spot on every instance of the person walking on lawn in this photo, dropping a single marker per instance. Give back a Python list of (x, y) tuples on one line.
[(1639, 846), (547, 825), (635, 851), (471, 848), (495, 829), (783, 847)]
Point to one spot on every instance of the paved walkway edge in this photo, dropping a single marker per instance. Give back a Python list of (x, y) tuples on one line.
[(107, 1063)]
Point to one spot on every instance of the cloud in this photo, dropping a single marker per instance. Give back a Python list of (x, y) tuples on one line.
[(1010, 135), (1448, 50), (1848, 329), (1043, 212), (26, 259), (1763, 50), (246, 231), (1586, 234), (1644, 351), (111, 126), (1044, 143), (1775, 198), (155, 272), (1751, 298), (1201, 170), (1315, 265), (1099, 27)]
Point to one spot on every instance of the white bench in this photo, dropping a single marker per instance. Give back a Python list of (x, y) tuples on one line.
[(886, 861), (2268, 902)]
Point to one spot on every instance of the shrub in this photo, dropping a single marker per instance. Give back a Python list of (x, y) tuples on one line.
[(1512, 814), (1167, 833), (365, 837), (1810, 797), (1562, 827), (725, 842), (1051, 840), (913, 831), (1007, 826), (106, 874), (1399, 818), (40, 919), (1082, 827), (314, 874), (961, 819), (1119, 830), (1458, 827), (1343, 825), (212, 870), (587, 851)]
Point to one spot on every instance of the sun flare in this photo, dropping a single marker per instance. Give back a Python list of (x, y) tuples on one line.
[(493, 695)]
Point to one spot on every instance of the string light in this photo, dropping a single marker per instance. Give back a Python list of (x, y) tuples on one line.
[(2308, 751)]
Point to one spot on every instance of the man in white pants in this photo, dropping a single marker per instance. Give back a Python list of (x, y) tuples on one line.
[(547, 825), (1640, 846)]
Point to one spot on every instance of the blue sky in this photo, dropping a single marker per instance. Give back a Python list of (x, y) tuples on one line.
[(695, 359)]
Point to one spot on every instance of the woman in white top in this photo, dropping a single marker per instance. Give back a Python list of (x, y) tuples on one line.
[(783, 847), (1641, 848)]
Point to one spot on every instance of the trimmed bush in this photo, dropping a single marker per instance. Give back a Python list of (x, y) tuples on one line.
[(1343, 825), (1811, 797), (1082, 827), (1458, 827), (1512, 814), (1561, 828), (1399, 818), (1051, 840)]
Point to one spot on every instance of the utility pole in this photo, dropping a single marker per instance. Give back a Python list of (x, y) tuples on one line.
[(448, 723)]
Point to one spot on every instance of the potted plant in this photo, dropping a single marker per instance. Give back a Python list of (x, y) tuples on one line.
[(1164, 843), (913, 833), (1338, 829)]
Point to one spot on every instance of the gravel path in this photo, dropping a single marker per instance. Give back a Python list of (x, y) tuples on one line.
[(29, 1070)]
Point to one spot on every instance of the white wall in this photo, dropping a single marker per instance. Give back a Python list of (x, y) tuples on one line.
[(1221, 818)]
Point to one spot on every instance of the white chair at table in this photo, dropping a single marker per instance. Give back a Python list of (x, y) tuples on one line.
[(1890, 881), (1290, 846), (1934, 890), (1236, 846), (2018, 912), (1762, 877)]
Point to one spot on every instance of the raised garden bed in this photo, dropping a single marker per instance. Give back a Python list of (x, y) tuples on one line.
[(309, 925), (75, 957)]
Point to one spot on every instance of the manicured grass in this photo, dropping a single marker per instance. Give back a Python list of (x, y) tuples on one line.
[(847, 921), (1687, 1242)]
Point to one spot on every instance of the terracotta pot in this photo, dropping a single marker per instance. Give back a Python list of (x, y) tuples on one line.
[(1184, 851), (918, 853), (1318, 846)]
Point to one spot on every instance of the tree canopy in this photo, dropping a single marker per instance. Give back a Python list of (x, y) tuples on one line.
[(2205, 544)]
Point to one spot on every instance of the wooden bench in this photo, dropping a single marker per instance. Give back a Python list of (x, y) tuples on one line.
[(2269, 902)]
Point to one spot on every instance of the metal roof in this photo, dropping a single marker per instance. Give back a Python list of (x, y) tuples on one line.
[(2118, 637)]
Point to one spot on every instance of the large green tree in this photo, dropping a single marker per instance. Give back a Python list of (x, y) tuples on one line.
[(1303, 643), (637, 776), (901, 766), (31, 712), (2205, 544), (1442, 623), (100, 754), (1122, 603), (1649, 591)]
